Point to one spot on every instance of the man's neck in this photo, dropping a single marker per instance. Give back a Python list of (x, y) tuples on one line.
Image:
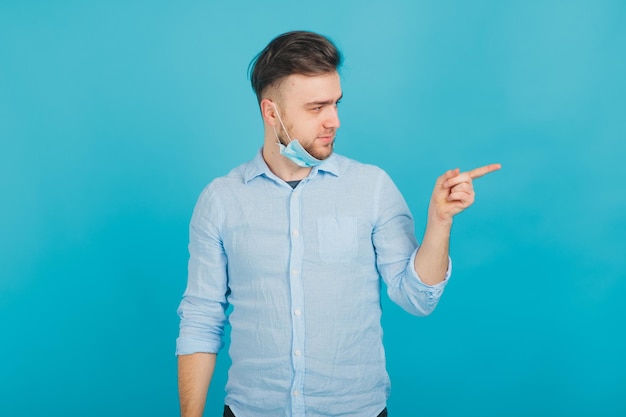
[(282, 167)]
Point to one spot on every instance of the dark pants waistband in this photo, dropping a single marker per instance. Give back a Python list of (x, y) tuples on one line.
[(229, 413)]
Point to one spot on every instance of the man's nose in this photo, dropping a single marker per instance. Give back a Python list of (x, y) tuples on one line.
[(332, 118)]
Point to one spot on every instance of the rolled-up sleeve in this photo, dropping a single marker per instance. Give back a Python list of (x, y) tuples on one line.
[(396, 247), (202, 310)]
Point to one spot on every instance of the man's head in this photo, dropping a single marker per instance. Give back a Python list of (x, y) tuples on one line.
[(297, 84), (298, 52)]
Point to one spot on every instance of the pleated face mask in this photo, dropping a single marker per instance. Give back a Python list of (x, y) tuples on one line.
[(294, 150)]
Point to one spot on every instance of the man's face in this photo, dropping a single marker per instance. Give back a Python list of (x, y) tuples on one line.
[(308, 107)]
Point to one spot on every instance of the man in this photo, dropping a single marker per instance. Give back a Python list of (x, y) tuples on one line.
[(296, 241)]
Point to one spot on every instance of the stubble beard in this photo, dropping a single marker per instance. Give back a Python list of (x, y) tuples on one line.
[(321, 152)]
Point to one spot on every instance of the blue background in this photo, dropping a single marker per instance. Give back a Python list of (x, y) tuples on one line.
[(114, 115)]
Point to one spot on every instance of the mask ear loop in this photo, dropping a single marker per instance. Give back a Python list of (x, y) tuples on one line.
[(280, 119), (278, 142)]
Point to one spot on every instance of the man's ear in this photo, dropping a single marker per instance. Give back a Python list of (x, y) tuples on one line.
[(268, 112)]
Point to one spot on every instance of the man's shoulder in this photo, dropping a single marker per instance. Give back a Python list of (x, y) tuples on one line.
[(228, 182), (351, 166)]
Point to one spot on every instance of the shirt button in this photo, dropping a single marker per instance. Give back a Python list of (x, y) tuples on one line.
[(297, 352), (294, 271), (296, 393), (295, 233), (297, 312)]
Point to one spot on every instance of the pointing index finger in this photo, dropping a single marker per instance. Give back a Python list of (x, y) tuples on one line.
[(479, 172)]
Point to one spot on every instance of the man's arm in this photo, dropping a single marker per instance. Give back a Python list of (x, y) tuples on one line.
[(453, 193), (202, 310), (194, 377)]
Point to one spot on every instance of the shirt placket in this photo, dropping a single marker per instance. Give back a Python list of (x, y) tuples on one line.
[(296, 256)]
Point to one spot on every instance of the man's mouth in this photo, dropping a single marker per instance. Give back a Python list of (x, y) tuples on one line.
[(327, 137)]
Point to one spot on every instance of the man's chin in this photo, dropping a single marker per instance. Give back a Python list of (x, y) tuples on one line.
[(324, 153)]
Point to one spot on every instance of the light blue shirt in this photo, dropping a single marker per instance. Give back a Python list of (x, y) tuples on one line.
[(301, 269)]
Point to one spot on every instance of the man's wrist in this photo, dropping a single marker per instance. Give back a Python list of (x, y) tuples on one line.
[(438, 224)]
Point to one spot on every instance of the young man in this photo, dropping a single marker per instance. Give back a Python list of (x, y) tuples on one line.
[(296, 241)]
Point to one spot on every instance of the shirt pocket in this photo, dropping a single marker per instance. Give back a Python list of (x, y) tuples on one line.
[(338, 239)]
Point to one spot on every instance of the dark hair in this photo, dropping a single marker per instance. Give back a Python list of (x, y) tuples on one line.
[(297, 52)]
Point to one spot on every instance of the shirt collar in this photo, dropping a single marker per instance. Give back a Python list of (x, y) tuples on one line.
[(257, 167)]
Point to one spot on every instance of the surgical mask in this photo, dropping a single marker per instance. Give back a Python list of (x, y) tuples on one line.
[(294, 150)]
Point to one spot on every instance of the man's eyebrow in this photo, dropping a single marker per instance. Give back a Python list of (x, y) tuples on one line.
[(324, 102)]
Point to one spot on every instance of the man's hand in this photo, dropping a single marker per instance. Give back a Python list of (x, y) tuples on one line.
[(454, 192)]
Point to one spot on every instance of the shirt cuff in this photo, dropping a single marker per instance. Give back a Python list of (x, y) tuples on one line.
[(186, 345)]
